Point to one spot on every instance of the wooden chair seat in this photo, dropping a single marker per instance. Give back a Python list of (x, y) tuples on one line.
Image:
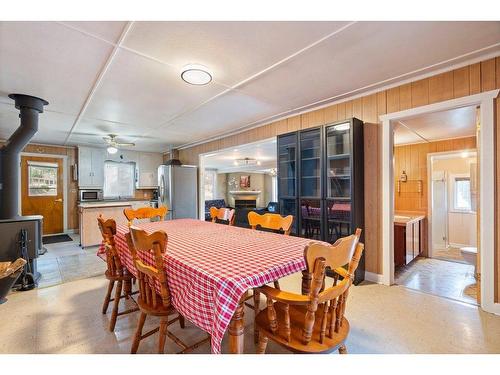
[(156, 311), (296, 344)]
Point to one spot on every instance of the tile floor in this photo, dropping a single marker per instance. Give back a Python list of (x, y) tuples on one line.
[(439, 277), (451, 253), (67, 261), (66, 318)]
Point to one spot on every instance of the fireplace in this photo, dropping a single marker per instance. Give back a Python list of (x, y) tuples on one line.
[(245, 203)]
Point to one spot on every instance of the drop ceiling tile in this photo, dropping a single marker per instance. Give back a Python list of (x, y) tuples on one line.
[(136, 90), (48, 60), (226, 113), (231, 50), (107, 30), (368, 53)]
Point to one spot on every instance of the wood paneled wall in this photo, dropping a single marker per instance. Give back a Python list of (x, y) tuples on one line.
[(468, 80), (413, 160)]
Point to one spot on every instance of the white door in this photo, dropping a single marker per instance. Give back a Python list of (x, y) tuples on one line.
[(439, 211), (84, 167)]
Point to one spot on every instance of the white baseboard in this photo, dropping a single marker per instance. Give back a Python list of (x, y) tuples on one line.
[(373, 277)]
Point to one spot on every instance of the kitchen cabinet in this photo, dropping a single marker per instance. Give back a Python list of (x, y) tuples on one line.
[(147, 170), (91, 167), (407, 239)]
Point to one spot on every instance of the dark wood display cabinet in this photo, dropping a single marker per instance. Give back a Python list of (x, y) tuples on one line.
[(321, 181)]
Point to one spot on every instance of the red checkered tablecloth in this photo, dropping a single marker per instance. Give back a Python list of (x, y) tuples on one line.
[(210, 266)]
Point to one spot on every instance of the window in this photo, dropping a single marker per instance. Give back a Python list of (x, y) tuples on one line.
[(119, 179), (209, 184), (42, 179), (461, 194)]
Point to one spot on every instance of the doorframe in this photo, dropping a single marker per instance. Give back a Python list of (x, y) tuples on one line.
[(486, 140), (201, 170), (430, 158), (65, 183)]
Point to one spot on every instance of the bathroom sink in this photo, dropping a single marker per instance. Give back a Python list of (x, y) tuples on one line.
[(401, 217)]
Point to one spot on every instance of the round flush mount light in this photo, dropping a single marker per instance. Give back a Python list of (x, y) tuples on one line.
[(112, 150), (196, 74)]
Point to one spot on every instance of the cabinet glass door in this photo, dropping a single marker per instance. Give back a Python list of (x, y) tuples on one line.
[(287, 152), (310, 218), (289, 207), (339, 219), (310, 163), (338, 161)]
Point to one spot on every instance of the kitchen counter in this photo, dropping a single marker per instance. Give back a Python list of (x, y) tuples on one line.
[(90, 234), (404, 218), (104, 204)]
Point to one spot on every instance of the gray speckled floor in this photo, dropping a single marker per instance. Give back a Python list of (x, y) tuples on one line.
[(439, 277), (66, 318), (67, 261)]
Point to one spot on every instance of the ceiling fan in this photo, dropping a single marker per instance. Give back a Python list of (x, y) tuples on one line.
[(113, 144)]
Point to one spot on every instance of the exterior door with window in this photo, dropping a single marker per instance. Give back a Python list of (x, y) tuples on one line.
[(42, 191)]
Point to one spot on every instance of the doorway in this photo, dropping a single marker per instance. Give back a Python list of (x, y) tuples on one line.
[(486, 171), (42, 191), (241, 177)]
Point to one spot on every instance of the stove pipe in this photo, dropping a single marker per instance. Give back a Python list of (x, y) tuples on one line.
[(10, 161)]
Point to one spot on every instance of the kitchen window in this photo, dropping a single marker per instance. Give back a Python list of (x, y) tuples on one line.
[(119, 180), (42, 179)]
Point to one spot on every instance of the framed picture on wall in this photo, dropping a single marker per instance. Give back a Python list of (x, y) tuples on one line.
[(244, 181)]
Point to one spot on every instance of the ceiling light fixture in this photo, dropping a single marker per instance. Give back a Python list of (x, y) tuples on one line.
[(112, 150), (246, 161), (195, 74)]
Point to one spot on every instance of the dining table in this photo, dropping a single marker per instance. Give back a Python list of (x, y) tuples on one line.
[(211, 267)]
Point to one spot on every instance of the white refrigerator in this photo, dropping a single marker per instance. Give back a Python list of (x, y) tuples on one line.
[(178, 190)]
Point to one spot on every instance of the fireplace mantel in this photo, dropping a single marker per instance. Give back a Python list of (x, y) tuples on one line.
[(240, 193)]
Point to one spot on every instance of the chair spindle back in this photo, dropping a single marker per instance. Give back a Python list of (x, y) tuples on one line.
[(108, 232), (275, 222), (143, 245), (145, 213), (222, 214)]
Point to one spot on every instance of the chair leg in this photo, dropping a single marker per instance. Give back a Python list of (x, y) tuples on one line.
[(114, 314), (182, 323), (277, 284), (261, 347), (342, 349), (162, 335), (256, 303), (108, 296), (138, 333)]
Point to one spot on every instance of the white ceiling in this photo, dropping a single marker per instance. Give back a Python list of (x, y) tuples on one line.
[(455, 123), (265, 152), (124, 78)]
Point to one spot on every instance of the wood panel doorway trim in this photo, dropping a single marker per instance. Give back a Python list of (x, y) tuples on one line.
[(486, 146), (65, 182)]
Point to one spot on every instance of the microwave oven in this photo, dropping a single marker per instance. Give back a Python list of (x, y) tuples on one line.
[(90, 195)]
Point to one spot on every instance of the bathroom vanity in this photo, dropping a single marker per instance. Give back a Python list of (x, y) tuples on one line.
[(408, 229)]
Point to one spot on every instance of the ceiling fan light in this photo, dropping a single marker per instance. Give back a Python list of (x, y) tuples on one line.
[(112, 150), (196, 75)]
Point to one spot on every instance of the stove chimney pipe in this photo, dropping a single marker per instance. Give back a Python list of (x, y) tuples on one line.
[(10, 161)]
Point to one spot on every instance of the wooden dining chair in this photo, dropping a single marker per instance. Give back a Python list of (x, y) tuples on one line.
[(313, 323), (145, 213), (115, 273), (272, 222), (222, 215), (150, 276)]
